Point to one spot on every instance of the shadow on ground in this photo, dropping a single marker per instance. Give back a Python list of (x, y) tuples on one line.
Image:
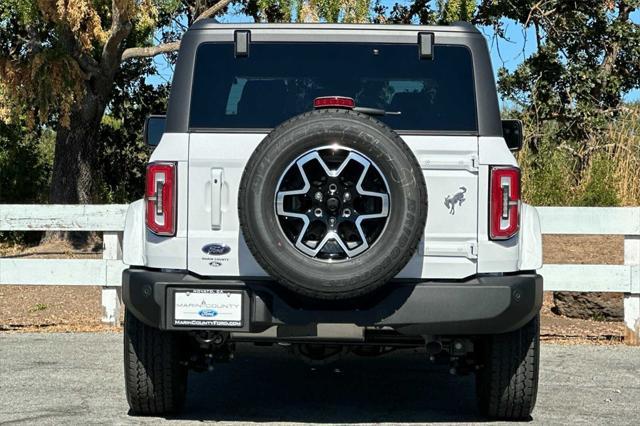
[(266, 385)]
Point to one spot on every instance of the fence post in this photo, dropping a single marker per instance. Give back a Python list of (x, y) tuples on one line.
[(632, 299), (111, 296)]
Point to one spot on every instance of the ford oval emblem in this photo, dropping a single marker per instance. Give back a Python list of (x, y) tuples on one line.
[(207, 313), (216, 249)]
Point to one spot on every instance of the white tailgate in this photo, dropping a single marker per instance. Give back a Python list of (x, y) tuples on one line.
[(216, 163), (450, 168), (449, 163)]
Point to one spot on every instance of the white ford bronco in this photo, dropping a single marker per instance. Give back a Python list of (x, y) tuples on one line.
[(333, 189)]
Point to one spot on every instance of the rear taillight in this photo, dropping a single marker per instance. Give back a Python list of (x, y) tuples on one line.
[(504, 204), (160, 195)]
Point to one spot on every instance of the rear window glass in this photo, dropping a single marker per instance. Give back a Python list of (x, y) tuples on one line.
[(280, 80)]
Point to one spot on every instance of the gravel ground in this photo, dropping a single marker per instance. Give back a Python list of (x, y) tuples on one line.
[(77, 379)]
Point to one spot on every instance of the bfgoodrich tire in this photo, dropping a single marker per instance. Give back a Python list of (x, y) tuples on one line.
[(507, 385), (154, 371), (361, 156)]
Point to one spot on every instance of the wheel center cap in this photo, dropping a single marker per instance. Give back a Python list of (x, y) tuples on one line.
[(333, 204)]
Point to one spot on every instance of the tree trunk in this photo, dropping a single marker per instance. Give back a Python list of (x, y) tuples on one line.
[(73, 164)]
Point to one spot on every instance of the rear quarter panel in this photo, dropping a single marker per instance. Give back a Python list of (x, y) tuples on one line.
[(164, 252), (493, 256)]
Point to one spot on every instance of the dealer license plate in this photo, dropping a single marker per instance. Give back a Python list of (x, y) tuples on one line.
[(208, 307)]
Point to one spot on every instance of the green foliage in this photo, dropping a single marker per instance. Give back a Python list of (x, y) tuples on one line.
[(38, 307), (602, 173), (25, 164), (417, 12), (549, 179), (456, 10), (275, 10), (598, 189), (354, 11), (21, 11), (26, 158), (425, 12), (348, 11), (547, 175)]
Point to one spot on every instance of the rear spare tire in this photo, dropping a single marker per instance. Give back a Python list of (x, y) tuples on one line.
[(332, 204)]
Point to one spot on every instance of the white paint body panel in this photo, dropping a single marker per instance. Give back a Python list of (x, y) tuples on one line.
[(530, 239), (133, 240), (171, 252)]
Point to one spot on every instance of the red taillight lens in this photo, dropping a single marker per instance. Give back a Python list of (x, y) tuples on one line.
[(160, 195), (504, 205), (334, 102)]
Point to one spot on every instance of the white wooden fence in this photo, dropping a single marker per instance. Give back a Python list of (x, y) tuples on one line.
[(109, 219), (105, 272), (623, 278)]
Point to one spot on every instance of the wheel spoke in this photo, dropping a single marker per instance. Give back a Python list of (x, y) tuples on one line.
[(281, 194), (383, 197)]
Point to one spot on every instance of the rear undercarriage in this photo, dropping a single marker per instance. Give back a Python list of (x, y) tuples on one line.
[(445, 318), (207, 347)]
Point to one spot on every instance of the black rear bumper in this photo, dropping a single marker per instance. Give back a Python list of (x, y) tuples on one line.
[(485, 304)]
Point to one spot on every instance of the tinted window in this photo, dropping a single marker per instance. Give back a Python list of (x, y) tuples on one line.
[(278, 81)]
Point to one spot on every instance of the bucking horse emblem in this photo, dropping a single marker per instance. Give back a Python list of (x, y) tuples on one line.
[(458, 198)]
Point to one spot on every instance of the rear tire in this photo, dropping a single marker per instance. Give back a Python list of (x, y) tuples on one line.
[(154, 371), (507, 385)]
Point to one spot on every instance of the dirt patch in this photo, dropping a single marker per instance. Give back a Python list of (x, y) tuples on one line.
[(78, 308), (52, 250), (559, 329), (583, 249), (51, 308)]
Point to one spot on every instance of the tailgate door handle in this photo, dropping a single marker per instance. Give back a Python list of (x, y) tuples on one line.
[(216, 199)]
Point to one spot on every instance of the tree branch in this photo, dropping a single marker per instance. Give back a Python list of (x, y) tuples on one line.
[(151, 51), (120, 28), (213, 10)]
